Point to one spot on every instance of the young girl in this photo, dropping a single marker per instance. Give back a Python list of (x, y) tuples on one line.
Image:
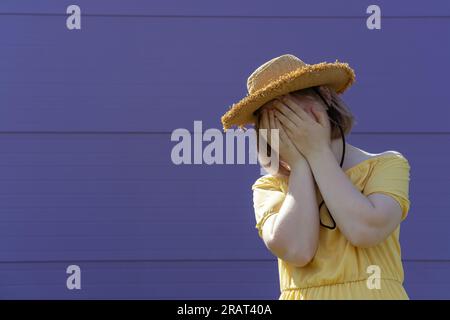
[(331, 213)]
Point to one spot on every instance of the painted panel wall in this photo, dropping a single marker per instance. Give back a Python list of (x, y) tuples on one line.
[(85, 171)]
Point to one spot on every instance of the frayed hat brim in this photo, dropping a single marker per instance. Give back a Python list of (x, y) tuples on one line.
[(337, 75)]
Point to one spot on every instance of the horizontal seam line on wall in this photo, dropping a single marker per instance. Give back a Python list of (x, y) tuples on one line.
[(191, 132), (179, 260), (112, 15)]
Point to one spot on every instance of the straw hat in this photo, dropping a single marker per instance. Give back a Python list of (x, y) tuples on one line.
[(280, 76)]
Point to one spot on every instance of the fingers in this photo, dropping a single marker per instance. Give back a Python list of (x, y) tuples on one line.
[(284, 134), (322, 117), (295, 109), (293, 106), (285, 121), (271, 119), (264, 120), (305, 116), (291, 115), (281, 132), (265, 125), (284, 138), (290, 135)]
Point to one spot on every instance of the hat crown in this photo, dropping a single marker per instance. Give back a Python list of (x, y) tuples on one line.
[(272, 70)]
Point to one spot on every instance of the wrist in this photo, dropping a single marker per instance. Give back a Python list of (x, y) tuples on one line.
[(318, 153), (299, 164)]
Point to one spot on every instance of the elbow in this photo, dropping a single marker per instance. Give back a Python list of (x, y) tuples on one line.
[(298, 257), (365, 236), (370, 230)]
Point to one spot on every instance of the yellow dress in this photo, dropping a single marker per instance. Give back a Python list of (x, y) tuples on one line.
[(340, 270)]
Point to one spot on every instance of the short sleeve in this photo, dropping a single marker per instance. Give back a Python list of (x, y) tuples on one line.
[(267, 199), (391, 176)]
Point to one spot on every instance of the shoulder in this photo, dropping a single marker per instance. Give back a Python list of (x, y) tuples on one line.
[(391, 165), (391, 152), (392, 156), (268, 181), (388, 156)]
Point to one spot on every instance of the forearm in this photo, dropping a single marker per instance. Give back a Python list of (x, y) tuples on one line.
[(295, 231), (349, 207)]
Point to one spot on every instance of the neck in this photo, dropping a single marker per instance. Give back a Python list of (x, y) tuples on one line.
[(337, 149)]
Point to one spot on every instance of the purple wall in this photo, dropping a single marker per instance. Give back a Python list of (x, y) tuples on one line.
[(86, 115)]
